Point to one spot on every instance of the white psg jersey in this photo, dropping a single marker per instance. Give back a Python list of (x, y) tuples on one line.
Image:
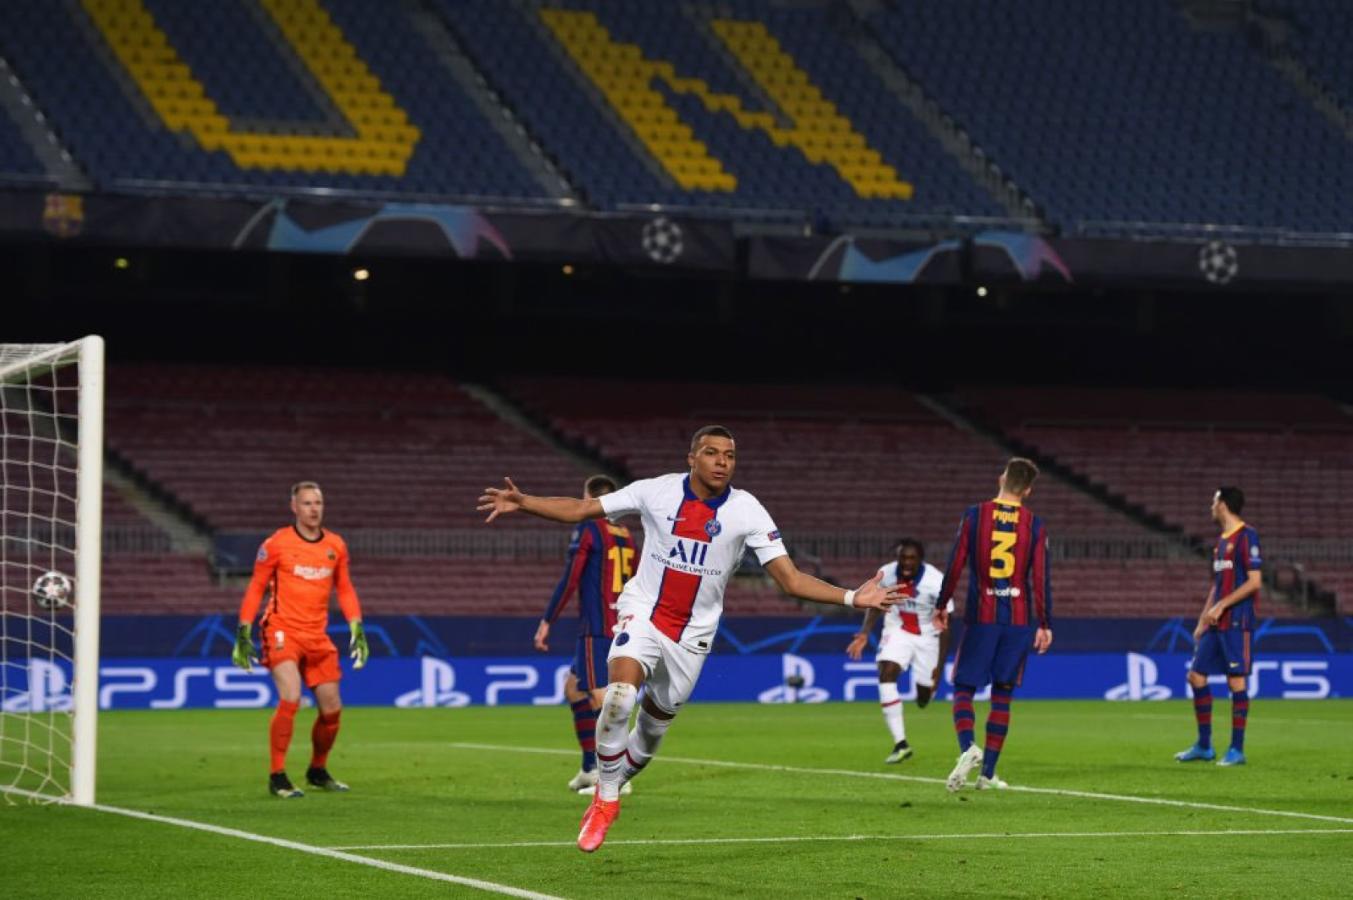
[(915, 611), (691, 548)]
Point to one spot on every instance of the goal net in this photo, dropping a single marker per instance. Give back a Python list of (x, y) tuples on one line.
[(51, 485)]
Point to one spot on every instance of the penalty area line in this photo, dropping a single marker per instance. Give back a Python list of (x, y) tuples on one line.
[(847, 838), (327, 852), (888, 776)]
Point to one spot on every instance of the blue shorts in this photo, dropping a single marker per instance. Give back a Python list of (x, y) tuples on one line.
[(1222, 653), (992, 654), (589, 662)]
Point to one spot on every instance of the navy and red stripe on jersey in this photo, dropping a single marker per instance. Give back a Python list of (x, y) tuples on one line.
[(1236, 555), (696, 520), (1005, 549), (600, 560)]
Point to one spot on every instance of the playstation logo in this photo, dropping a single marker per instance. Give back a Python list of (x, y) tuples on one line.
[(1141, 681)]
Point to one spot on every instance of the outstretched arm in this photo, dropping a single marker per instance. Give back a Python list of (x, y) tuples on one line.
[(800, 584), (503, 500)]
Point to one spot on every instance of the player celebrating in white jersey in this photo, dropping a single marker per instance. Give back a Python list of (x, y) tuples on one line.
[(696, 527), (910, 639)]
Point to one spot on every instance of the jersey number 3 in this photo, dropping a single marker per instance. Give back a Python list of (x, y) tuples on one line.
[(1002, 560)]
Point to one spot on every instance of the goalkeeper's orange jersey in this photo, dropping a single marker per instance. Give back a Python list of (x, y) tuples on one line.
[(299, 575)]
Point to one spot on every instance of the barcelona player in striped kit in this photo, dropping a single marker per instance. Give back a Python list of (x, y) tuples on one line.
[(1009, 609), (1225, 625), (600, 560)]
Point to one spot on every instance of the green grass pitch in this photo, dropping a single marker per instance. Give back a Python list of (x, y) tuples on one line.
[(742, 801)]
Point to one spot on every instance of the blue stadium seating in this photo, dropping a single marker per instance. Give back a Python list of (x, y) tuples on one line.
[(1320, 38), (535, 75), (1104, 110), (109, 126), (16, 157)]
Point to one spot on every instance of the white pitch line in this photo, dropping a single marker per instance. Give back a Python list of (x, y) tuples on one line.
[(829, 838), (887, 776), (327, 852)]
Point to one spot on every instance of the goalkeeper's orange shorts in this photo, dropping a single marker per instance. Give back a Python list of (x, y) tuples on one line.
[(314, 654)]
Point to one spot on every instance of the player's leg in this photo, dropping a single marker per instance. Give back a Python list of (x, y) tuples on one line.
[(998, 727), (286, 676), (630, 662), (322, 674), (668, 688), (890, 702), (1207, 659), (1007, 670), (1237, 650), (925, 669), (580, 693)]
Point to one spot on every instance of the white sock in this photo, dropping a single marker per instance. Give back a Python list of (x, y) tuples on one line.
[(892, 710), (612, 724), (643, 742)]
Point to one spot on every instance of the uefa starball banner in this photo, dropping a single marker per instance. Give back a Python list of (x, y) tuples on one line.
[(40, 684)]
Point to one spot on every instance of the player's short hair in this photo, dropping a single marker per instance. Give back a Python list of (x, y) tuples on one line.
[(1233, 497), (304, 486), (1020, 474), (708, 431), (600, 484), (904, 543)]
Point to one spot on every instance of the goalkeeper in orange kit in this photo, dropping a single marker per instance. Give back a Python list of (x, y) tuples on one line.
[(299, 567)]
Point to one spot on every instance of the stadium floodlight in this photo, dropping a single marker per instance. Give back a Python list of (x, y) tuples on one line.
[(51, 507)]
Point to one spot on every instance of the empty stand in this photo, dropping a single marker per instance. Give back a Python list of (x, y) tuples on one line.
[(756, 107), (1120, 111), (16, 157), (1169, 451), (340, 94), (392, 451)]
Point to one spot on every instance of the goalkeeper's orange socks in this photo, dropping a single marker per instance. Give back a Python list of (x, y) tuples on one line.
[(322, 737), (279, 732)]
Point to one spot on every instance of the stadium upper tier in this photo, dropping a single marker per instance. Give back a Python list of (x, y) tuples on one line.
[(1104, 110), (1095, 110)]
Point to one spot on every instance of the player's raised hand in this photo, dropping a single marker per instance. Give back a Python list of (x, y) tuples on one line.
[(358, 648), (542, 638), (871, 594), (855, 649), (496, 501), (1043, 640), (243, 652)]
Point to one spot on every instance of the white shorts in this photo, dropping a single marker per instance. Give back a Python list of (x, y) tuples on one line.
[(670, 670), (920, 652)]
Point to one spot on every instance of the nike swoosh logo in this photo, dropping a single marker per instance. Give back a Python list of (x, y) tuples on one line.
[(676, 518)]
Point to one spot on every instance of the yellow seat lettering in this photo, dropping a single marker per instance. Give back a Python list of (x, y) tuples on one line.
[(817, 129), (384, 137)]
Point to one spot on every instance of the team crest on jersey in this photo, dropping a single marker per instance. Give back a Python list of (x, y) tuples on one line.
[(333, 557), (712, 528)]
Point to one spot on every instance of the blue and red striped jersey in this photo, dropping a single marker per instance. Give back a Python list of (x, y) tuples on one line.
[(1236, 555), (1005, 548), (600, 560)]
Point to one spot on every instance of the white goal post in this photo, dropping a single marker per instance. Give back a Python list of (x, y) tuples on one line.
[(51, 506)]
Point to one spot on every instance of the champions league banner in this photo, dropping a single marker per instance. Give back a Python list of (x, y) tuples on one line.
[(660, 240), (44, 685)]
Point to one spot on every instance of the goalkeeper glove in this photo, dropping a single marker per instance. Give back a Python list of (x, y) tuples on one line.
[(357, 644), (244, 648)]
